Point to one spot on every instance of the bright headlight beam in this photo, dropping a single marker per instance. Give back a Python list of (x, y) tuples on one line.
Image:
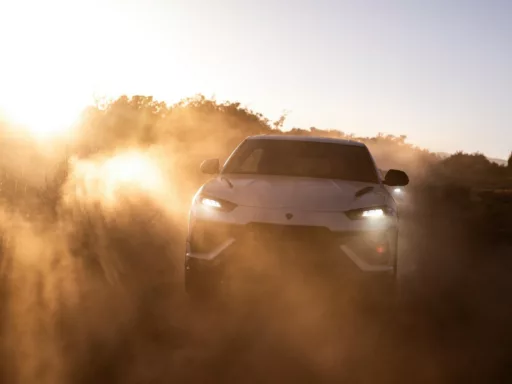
[(397, 190), (211, 203), (373, 213)]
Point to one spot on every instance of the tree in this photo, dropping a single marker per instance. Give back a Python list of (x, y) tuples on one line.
[(509, 163)]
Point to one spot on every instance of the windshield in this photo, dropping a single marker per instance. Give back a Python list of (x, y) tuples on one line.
[(303, 159)]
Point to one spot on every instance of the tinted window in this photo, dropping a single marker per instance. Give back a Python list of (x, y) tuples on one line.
[(303, 159)]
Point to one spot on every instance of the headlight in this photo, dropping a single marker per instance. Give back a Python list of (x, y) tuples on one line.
[(211, 203), (373, 213), (397, 191), (369, 213), (216, 204)]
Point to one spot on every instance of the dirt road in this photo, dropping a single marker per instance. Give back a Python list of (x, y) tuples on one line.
[(453, 326)]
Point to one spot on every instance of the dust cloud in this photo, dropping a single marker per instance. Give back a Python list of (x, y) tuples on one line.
[(91, 283), (74, 283)]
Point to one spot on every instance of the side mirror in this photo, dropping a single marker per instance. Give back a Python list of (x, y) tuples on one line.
[(210, 166), (396, 178)]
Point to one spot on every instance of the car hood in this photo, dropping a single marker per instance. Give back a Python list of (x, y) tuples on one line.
[(292, 192)]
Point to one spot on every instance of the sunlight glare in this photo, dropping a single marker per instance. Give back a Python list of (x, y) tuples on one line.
[(131, 169), (120, 175), (43, 121)]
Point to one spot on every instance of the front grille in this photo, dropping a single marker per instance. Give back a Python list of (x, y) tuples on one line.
[(289, 232), (206, 236), (262, 247)]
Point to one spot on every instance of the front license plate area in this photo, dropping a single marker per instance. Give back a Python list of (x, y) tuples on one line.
[(288, 233)]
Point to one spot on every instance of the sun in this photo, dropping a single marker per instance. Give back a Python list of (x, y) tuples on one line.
[(42, 121), (43, 105)]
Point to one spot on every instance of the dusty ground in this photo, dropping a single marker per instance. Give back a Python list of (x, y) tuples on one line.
[(453, 325)]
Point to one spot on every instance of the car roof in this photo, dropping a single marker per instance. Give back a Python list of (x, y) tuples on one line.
[(319, 139)]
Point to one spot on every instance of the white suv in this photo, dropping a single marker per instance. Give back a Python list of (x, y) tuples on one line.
[(321, 193)]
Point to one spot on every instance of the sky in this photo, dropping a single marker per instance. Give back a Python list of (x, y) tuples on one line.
[(438, 71)]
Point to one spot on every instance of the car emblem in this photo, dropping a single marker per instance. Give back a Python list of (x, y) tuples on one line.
[(289, 216)]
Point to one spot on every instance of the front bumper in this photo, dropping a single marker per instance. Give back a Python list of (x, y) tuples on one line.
[(217, 245)]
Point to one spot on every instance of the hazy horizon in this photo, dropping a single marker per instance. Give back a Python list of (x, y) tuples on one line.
[(437, 72)]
